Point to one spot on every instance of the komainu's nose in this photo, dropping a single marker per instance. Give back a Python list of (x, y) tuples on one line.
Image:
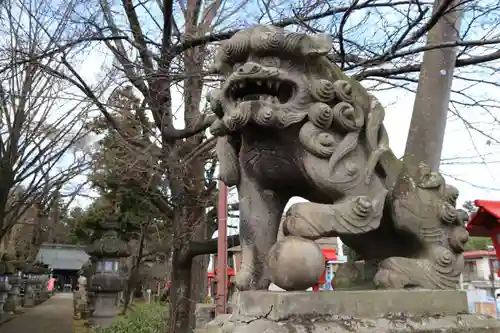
[(249, 68)]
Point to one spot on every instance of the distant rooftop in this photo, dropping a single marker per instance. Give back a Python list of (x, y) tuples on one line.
[(62, 256), (479, 254)]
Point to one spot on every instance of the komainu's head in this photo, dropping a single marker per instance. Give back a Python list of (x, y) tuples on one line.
[(276, 78)]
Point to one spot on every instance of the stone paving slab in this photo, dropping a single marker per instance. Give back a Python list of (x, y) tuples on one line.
[(53, 316)]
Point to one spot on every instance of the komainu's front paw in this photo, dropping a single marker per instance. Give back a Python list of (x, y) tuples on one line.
[(248, 279)]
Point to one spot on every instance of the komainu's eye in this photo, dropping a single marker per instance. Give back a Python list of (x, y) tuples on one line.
[(237, 65)]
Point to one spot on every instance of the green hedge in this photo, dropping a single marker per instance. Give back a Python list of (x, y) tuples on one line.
[(143, 318)]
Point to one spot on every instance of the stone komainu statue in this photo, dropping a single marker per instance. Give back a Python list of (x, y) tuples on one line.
[(291, 123)]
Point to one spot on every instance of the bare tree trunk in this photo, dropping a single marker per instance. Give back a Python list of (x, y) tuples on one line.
[(37, 237), (199, 270), (428, 122), (54, 217), (134, 272), (181, 307)]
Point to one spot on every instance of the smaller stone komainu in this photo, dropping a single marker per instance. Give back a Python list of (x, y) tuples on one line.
[(291, 123)]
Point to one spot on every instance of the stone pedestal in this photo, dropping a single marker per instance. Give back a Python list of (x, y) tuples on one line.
[(29, 294), (104, 309), (80, 299), (4, 289), (37, 292), (205, 313), (13, 301), (395, 311), (43, 290)]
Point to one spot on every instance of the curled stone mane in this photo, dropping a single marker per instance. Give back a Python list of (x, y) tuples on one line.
[(264, 40)]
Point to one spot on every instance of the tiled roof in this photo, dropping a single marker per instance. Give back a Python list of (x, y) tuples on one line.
[(479, 254), (62, 257), (486, 218)]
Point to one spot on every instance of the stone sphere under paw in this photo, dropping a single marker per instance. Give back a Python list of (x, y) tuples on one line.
[(296, 263)]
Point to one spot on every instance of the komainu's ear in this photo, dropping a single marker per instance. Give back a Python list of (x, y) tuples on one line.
[(229, 166), (317, 45)]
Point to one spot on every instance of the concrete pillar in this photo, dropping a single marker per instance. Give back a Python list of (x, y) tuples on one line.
[(428, 122)]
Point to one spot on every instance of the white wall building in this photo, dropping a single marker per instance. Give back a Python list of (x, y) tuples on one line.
[(479, 266)]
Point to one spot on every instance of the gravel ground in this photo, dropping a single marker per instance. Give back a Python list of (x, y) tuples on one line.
[(53, 316)]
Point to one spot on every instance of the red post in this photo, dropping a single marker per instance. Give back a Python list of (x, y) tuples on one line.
[(221, 298), (494, 234)]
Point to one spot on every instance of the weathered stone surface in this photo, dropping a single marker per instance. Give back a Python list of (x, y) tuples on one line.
[(283, 305), (106, 282), (4, 289), (392, 324), (105, 308), (80, 299), (395, 311), (291, 123), (292, 252), (13, 300), (29, 294), (204, 314)]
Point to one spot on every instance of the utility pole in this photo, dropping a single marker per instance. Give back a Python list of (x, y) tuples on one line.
[(428, 122)]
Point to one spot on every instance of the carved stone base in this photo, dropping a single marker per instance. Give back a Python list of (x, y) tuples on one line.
[(13, 301), (3, 298), (29, 296), (105, 309), (352, 311)]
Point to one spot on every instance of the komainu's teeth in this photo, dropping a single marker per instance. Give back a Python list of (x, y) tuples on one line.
[(276, 100), (241, 84), (262, 98), (277, 85), (259, 83), (269, 84)]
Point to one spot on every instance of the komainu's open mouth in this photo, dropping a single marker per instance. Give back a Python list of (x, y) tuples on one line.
[(272, 90)]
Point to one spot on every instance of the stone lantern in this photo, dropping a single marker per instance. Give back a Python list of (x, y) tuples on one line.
[(36, 276), (87, 271), (29, 291), (6, 270), (13, 301), (44, 281), (106, 283)]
